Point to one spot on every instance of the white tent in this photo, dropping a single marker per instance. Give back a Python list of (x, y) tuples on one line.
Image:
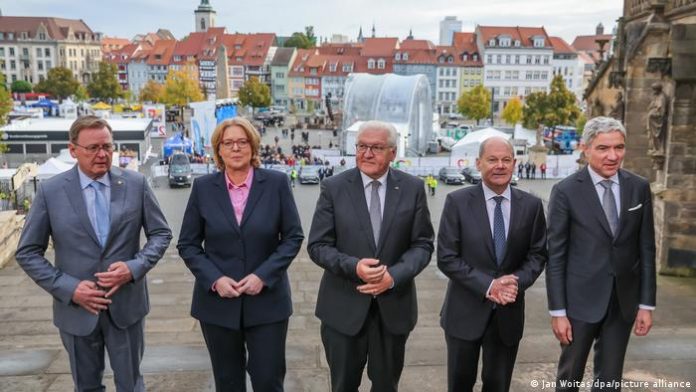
[(465, 152), (52, 167), (65, 157), (350, 134)]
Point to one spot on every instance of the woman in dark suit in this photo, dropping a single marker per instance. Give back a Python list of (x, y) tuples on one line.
[(241, 231)]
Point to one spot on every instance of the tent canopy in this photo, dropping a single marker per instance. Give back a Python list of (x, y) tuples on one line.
[(177, 142), (52, 167), (101, 106), (465, 151)]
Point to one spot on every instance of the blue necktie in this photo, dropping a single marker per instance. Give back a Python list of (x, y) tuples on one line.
[(102, 212), (498, 230)]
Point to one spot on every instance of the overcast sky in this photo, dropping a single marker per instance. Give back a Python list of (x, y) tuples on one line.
[(394, 18)]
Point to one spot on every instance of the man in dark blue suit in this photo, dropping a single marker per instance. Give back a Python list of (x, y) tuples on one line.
[(600, 277)]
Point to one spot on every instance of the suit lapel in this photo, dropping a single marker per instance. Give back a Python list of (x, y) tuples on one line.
[(480, 215), (391, 201), (589, 194), (255, 193), (117, 206), (74, 191), (222, 197), (625, 188), (356, 191)]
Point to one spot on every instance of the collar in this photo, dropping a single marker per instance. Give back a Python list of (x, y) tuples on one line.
[(488, 193), (85, 180), (596, 178), (367, 179), (247, 182)]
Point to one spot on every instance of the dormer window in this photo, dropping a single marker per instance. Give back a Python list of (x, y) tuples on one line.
[(370, 64), (450, 59), (465, 56), (332, 67), (397, 56), (475, 57), (517, 43), (404, 56), (441, 59), (347, 67), (538, 42), (491, 42), (381, 64), (504, 41)]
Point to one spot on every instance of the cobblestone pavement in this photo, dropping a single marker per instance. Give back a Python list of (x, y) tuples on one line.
[(33, 359)]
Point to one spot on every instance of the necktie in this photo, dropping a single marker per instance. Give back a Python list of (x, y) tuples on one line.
[(375, 210), (101, 211), (498, 229), (609, 206)]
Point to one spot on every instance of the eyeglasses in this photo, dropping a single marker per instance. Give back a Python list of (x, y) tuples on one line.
[(229, 144), (375, 149), (94, 148)]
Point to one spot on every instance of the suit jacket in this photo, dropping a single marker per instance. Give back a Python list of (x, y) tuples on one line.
[(213, 245), (586, 261), (59, 212), (341, 235), (465, 253)]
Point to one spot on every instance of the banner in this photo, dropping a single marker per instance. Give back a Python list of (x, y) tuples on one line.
[(159, 122)]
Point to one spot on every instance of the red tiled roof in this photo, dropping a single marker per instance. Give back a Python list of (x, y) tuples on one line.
[(57, 28), (523, 34), (161, 53), (416, 44), (122, 55), (560, 46), (588, 43), (465, 42), (379, 47), (248, 49), (113, 43), (347, 49)]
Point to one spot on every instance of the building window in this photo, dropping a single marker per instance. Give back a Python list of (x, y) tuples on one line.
[(465, 57), (25, 51), (537, 59), (475, 57), (38, 52), (397, 56), (507, 59), (13, 65), (489, 59), (517, 59), (381, 64), (2, 52), (40, 65), (370, 64), (546, 60), (499, 59)]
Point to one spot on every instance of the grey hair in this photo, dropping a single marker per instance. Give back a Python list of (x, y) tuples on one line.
[(598, 125), (379, 126), (482, 146)]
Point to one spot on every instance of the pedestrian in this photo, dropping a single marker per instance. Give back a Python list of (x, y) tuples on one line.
[(520, 169), (527, 169), (600, 277), (241, 230), (293, 176), (484, 304), (370, 256), (542, 168), (429, 183), (276, 139), (93, 214), (292, 136), (433, 185), (533, 171)]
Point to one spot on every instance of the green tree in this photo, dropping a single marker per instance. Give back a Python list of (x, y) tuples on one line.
[(152, 92), (558, 107), (475, 103), (6, 105), (512, 113), (580, 123), (180, 88), (254, 93), (104, 84), (81, 94), (309, 33), (300, 41), (59, 82), (21, 86)]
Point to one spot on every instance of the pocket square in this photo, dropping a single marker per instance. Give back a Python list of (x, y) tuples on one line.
[(639, 206)]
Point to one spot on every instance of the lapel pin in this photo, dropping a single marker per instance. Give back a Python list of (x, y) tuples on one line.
[(119, 182), (396, 187)]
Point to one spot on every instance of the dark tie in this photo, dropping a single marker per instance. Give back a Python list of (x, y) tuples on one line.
[(498, 229), (101, 211), (375, 210), (609, 206)]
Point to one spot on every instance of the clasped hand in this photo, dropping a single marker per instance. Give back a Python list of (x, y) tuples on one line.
[(376, 277), (504, 290), (227, 287)]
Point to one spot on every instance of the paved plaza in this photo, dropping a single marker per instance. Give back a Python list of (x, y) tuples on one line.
[(33, 359)]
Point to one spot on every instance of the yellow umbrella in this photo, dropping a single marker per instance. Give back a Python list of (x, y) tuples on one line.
[(101, 106)]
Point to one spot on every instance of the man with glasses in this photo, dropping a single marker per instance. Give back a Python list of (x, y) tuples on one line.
[(372, 235), (94, 213)]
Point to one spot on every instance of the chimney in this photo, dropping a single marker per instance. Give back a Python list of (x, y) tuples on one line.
[(600, 29)]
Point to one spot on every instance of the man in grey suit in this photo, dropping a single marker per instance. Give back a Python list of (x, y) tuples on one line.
[(372, 235), (94, 213), (600, 276), (492, 246)]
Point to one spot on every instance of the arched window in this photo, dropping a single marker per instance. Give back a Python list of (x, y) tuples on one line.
[(202, 24)]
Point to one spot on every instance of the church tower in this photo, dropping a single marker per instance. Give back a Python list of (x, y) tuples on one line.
[(205, 16)]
